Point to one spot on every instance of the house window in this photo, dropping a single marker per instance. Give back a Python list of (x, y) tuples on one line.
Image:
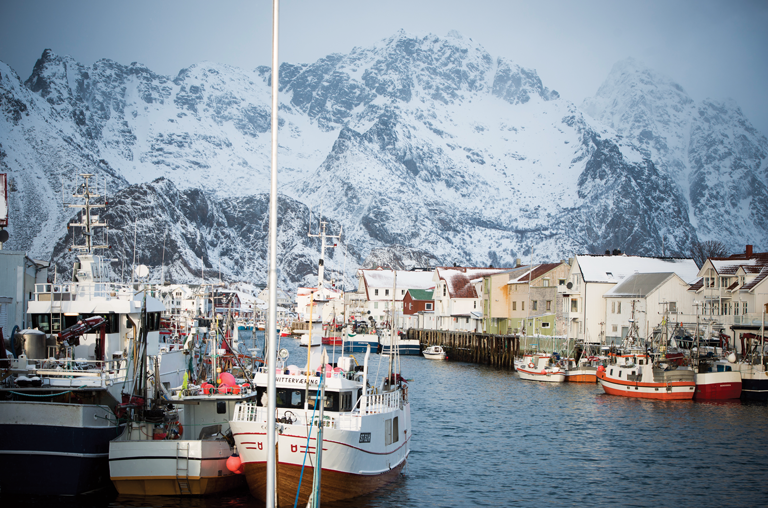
[(574, 305), (614, 328), (402, 292), (735, 308), (514, 305), (672, 306), (613, 307), (443, 290), (745, 308), (549, 304), (546, 283), (545, 325), (386, 292), (475, 302), (376, 292), (522, 305), (535, 305), (467, 320), (428, 306), (724, 282), (618, 308), (375, 305), (561, 282)]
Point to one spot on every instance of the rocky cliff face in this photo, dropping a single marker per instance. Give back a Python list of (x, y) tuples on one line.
[(422, 149), (717, 160)]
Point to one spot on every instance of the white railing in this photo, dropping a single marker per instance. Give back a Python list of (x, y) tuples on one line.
[(381, 403), (82, 291), (250, 412)]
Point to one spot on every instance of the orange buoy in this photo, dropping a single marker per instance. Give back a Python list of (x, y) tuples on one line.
[(234, 464)]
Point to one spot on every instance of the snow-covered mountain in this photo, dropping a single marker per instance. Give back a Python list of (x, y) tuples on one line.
[(716, 157), (423, 149)]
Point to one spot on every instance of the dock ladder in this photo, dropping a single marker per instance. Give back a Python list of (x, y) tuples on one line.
[(182, 467)]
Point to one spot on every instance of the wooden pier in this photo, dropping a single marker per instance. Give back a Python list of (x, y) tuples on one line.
[(484, 348)]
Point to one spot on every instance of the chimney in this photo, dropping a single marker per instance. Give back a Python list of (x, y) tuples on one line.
[(517, 262), (749, 251)]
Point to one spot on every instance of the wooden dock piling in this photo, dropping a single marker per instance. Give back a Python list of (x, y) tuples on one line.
[(483, 348)]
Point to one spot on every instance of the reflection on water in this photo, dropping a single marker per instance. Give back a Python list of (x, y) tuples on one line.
[(484, 437)]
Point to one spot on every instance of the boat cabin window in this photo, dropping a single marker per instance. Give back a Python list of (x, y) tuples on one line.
[(639, 362), (331, 400), (113, 323), (153, 321), (290, 398), (42, 322), (619, 373), (346, 401)]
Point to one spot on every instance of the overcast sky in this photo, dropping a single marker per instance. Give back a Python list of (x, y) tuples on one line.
[(716, 49)]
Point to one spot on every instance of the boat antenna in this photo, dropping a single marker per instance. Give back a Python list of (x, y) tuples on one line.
[(133, 266), (272, 275)]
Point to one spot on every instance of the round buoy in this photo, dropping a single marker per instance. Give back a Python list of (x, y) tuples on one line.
[(601, 368), (234, 464), (228, 379)]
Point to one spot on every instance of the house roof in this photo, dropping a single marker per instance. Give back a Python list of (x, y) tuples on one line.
[(614, 269), (458, 280), (532, 273), (749, 286), (405, 279), (421, 294), (638, 285)]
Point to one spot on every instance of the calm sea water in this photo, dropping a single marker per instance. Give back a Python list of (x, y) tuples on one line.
[(483, 437)]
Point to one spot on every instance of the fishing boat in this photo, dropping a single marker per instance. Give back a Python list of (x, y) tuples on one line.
[(61, 392), (179, 443), (583, 370), (285, 331), (366, 430), (714, 372), (360, 337), (753, 366), (637, 373), (404, 345), (435, 353), (540, 367)]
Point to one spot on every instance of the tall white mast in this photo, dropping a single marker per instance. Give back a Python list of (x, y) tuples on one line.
[(271, 357), (321, 265)]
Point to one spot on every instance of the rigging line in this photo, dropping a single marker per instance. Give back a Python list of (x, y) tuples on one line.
[(309, 433)]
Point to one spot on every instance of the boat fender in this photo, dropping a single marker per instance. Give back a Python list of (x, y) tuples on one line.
[(234, 463)]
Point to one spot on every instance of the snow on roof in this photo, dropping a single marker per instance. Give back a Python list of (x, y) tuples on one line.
[(458, 279), (749, 286), (533, 273), (405, 279), (614, 269), (638, 285), (730, 266)]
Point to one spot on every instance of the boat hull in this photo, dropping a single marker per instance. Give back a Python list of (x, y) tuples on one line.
[(717, 386), (403, 348), (683, 390), (580, 377), (70, 440), (160, 468), (543, 376)]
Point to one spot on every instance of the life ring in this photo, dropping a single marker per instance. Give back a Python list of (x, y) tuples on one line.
[(179, 429), (530, 365)]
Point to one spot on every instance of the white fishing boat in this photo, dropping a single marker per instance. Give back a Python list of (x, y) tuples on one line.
[(60, 396), (434, 353), (366, 430), (540, 367), (179, 453)]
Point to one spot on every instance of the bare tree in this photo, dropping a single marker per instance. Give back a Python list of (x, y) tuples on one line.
[(701, 251)]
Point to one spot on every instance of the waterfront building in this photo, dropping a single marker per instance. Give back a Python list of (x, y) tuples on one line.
[(419, 309), (536, 303), (377, 286), (733, 291), (647, 299), (458, 302), (591, 276)]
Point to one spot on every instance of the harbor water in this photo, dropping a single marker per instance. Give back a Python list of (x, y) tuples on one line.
[(483, 437)]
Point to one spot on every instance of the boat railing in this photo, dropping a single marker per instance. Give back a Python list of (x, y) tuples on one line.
[(381, 402), (252, 412), (75, 291)]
